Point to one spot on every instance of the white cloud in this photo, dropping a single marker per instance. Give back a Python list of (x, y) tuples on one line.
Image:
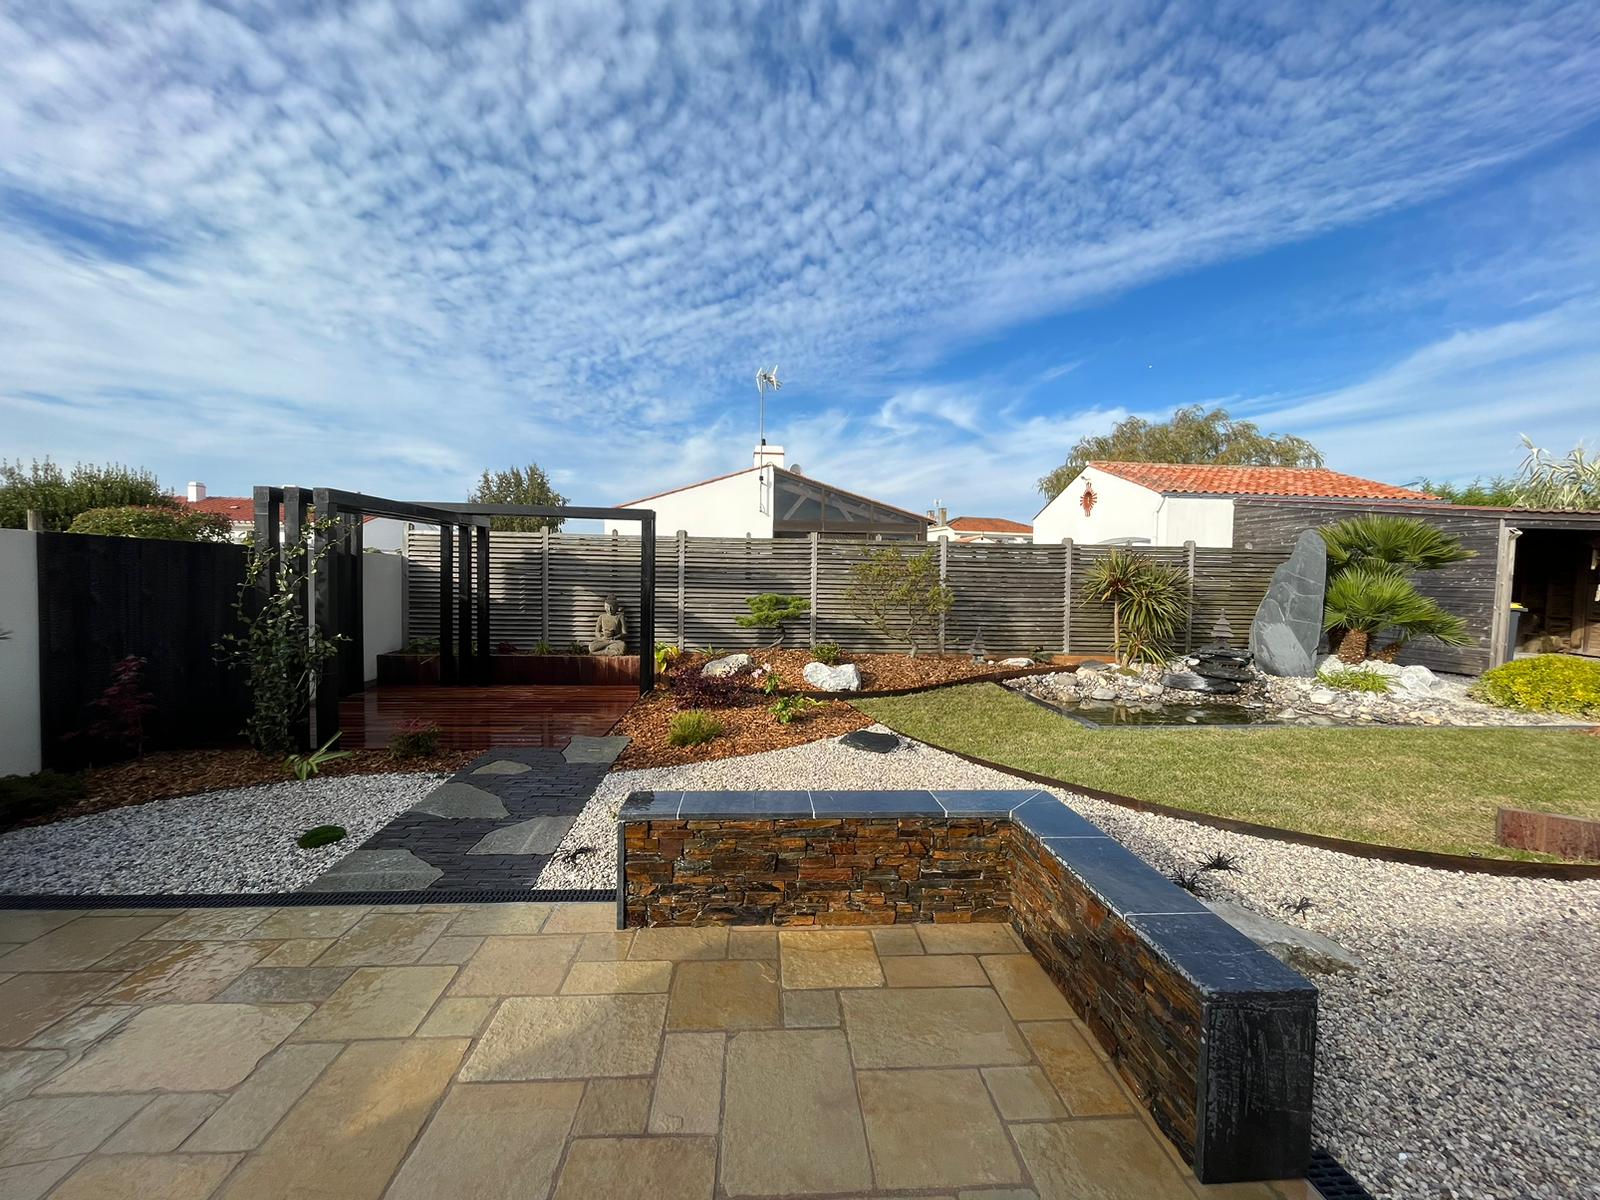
[(383, 245)]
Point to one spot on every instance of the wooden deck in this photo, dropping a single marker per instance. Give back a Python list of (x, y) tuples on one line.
[(475, 718)]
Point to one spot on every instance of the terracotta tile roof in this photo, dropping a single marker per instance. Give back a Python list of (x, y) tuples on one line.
[(1186, 478), (238, 509), (988, 525)]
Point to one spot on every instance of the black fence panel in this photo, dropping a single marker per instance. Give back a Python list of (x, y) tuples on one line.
[(102, 599)]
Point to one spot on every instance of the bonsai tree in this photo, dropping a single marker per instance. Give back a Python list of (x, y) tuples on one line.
[(770, 610), (1364, 601), (898, 595), (1370, 562), (1149, 603)]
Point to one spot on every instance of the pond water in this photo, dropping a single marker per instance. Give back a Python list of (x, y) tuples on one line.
[(1104, 712)]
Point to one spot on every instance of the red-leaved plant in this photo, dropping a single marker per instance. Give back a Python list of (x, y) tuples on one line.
[(123, 708)]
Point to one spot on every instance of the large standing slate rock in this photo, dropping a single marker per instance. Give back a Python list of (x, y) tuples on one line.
[(1288, 625)]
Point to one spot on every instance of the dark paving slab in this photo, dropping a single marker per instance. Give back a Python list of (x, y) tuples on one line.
[(493, 825)]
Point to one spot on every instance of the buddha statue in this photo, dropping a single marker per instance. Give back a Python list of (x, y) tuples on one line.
[(610, 630)]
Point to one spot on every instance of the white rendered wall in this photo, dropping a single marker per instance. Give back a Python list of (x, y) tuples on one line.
[(1203, 520), (1121, 510), (728, 507), (20, 729), (382, 626), (384, 533)]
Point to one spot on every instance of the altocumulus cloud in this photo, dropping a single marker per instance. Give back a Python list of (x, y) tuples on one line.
[(382, 244)]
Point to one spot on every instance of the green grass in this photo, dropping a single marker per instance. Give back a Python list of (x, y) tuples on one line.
[(1427, 789)]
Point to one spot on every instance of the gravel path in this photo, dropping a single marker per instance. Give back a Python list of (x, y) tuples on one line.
[(240, 840), (1462, 1060)]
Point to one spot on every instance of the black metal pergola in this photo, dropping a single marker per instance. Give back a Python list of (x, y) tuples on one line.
[(334, 601)]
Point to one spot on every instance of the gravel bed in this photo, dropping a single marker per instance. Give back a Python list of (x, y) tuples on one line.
[(1462, 1059), (239, 840)]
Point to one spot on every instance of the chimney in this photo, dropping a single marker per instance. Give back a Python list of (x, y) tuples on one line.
[(768, 456), (197, 491)]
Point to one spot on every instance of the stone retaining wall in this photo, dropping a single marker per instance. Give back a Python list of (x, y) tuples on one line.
[(1215, 1036)]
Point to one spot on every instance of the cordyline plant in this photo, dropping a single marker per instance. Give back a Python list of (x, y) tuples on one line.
[(1149, 602), (899, 596), (282, 654)]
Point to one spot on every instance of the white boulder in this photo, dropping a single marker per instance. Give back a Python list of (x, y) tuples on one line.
[(846, 677), (728, 664)]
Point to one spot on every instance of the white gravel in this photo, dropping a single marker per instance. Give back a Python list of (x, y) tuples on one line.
[(239, 840), (1462, 1060)]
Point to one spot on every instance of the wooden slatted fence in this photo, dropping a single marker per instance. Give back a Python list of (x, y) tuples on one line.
[(1010, 599)]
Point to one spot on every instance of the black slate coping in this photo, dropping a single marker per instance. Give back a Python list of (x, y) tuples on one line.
[(1211, 954)]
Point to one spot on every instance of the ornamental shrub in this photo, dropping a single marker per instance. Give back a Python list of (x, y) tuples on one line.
[(693, 728), (827, 653), (1354, 679), (415, 738), (711, 691), (320, 835), (152, 521), (26, 796), (1559, 683)]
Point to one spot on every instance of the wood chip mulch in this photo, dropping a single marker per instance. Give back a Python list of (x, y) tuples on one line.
[(747, 730), (162, 774)]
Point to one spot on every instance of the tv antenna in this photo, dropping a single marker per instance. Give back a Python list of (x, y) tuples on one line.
[(765, 380)]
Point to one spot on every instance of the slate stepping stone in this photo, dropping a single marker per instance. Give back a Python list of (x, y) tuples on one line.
[(585, 749), (873, 743), (456, 800), (390, 870), (503, 766), (541, 835)]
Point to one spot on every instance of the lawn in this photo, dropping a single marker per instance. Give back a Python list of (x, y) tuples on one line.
[(1429, 789)]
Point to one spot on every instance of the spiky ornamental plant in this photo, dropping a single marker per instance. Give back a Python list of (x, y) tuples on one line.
[(1364, 601), (1378, 553), (1149, 602)]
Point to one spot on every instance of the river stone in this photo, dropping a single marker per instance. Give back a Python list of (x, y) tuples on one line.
[(1185, 681), (846, 677), (1288, 625), (728, 664), (874, 743)]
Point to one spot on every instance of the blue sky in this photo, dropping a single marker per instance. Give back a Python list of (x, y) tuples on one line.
[(383, 246)]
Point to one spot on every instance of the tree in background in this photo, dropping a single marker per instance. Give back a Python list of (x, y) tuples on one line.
[(1370, 561), (899, 596), (60, 496), (1191, 435), (145, 521), (519, 485), (1497, 491), (1545, 481)]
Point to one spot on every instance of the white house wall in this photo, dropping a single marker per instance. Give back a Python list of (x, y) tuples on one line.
[(20, 728), (718, 508), (382, 600), (1121, 510), (1203, 520)]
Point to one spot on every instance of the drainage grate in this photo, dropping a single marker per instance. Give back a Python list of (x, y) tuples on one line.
[(1332, 1180), (314, 899)]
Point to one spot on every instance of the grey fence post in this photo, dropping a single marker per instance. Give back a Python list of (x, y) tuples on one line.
[(544, 585), (1188, 620), (815, 540), (683, 567), (1066, 599), (944, 577)]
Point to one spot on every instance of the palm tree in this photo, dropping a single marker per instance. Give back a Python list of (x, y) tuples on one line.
[(1366, 600), (1147, 598), (1401, 542)]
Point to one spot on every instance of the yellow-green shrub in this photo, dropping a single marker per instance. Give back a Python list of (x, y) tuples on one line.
[(1548, 683)]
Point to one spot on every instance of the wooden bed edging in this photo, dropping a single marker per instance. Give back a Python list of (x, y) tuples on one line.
[(1398, 854)]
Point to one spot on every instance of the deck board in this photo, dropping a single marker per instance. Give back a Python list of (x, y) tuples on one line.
[(475, 718)]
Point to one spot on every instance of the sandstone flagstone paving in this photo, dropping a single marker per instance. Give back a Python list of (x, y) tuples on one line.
[(533, 1050)]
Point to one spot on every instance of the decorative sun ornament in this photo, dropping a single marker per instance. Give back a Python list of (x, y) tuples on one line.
[(1088, 498)]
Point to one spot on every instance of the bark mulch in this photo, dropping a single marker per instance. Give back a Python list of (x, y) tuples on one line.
[(162, 774), (746, 730)]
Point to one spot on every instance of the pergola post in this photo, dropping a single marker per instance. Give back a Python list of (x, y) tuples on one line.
[(447, 649), (296, 516), (323, 556), (647, 602), (480, 542), (464, 653)]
